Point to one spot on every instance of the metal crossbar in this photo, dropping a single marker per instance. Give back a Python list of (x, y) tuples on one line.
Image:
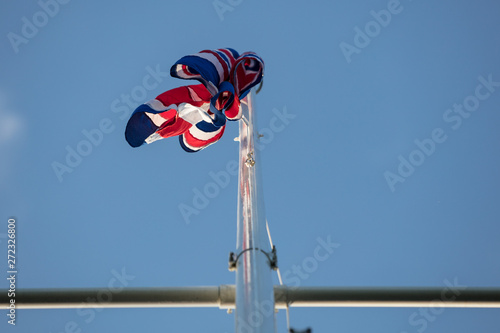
[(223, 297)]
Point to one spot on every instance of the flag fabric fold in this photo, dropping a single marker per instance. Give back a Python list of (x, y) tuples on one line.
[(210, 67), (197, 113)]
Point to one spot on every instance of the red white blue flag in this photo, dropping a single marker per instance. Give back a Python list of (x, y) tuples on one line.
[(198, 113)]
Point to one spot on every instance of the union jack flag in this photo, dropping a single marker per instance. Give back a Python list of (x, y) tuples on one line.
[(198, 113)]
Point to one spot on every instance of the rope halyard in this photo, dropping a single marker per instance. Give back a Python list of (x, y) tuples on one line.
[(279, 277)]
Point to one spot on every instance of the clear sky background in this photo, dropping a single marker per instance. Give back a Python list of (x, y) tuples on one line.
[(353, 106)]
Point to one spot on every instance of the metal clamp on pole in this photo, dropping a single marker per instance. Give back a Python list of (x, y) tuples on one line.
[(273, 258)]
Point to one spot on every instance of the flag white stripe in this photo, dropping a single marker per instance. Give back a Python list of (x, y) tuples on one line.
[(201, 135), (213, 59), (159, 106), (156, 118), (193, 114)]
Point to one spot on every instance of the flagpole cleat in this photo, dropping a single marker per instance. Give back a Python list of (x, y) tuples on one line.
[(250, 162)]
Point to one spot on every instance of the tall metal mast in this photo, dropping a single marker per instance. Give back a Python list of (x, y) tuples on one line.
[(254, 310)]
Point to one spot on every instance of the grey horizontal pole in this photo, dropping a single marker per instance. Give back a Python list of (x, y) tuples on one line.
[(449, 297), (223, 297), (169, 297)]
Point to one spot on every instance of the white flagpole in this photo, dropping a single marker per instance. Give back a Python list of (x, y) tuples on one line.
[(254, 304)]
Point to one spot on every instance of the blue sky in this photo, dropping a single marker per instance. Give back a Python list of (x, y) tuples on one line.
[(388, 147)]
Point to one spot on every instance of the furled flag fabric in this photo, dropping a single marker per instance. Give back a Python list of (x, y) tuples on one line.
[(209, 67), (198, 113)]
